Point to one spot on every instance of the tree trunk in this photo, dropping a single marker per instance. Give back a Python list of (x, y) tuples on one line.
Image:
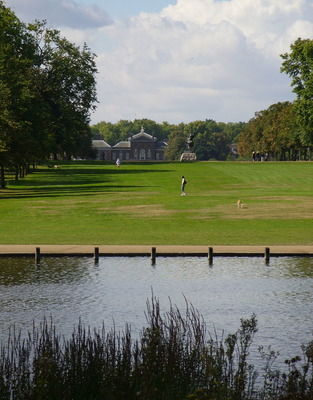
[(2, 177)]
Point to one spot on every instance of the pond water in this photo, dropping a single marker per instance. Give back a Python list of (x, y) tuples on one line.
[(116, 291)]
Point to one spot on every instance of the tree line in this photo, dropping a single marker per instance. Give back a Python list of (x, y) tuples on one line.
[(47, 91), (212, 139), (284, 131), (274, 133)]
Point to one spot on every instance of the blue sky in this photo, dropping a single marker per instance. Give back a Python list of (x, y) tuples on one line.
[(127, 8), (181, 60)]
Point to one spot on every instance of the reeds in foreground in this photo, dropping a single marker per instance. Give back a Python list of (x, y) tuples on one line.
[(174, 357)]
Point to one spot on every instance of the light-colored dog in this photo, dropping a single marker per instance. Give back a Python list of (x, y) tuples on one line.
[(239, 204)]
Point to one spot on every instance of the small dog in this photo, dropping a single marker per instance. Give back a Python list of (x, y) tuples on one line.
[(239, 204)]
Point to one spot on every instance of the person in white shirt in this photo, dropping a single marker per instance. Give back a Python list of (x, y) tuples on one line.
[(183, 183)]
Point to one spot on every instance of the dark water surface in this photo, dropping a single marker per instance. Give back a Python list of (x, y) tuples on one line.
[(69, 289)]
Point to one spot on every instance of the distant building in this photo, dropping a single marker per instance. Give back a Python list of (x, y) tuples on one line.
[(139, 147), (234, 150), (103, 149)]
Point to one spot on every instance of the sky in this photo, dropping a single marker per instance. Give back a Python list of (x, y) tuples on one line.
[(181, 60)]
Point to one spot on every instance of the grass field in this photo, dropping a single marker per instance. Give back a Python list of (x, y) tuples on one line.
[(95, 203)]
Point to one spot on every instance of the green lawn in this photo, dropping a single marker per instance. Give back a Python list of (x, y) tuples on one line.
[(95, 203)]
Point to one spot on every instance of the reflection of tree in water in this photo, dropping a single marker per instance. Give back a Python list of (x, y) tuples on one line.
[(300, 267), (23, 270)]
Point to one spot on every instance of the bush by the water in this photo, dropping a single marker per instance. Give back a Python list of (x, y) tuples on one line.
[(174, 357)]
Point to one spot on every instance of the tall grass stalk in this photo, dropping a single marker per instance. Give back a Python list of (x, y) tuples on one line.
[(174, 357)]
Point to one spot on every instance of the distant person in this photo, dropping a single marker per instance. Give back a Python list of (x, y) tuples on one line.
[(253, 156), (183, 183), (118, 163)]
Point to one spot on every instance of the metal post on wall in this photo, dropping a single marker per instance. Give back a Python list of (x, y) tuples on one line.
[(37, 255), (267, 255), (96, 255), (210, 256), (153, 255)]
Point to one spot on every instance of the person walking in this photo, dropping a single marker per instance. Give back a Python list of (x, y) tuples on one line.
[(118, 163), (183, 183)]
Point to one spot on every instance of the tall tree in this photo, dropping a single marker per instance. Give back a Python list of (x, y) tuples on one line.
[(47, 91), (298, 64), (16, 60), (210, 141), (177, 143), (274, 131), (66, 77)]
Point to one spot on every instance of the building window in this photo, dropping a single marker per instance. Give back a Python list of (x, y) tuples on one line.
[(121, 155), (136, 154), (127, 156), (149, 154), (113, 156), (142, 154)]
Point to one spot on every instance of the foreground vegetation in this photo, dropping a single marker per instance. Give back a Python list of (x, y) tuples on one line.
[(95, 203), (174, 358)]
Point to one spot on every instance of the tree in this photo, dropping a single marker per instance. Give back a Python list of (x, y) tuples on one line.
[(298, 64), (47, 91), (210, 141), (274, 131), (65, 77), (16, 59), (231, 129), (149, 126), (176, 145)]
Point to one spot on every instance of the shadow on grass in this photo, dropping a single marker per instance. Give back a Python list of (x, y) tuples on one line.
[(84, 176), (76, 191), (72, 182), (68, 180)]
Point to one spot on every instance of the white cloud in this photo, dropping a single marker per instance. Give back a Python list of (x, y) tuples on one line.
[(198, 59), (201, 59)]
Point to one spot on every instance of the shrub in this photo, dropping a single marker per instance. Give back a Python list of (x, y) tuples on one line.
[(174, 357)]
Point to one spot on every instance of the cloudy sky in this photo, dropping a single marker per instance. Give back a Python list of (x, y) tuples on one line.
[(181, 60)]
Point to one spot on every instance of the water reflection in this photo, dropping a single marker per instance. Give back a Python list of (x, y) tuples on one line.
[(299, 267), (23, 270), (116, 290)]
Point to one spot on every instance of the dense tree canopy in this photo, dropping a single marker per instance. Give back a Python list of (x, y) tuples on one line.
[(212, 139), (16, 51), (47, 91), (123, 129), (176, 143), (298, 64), (275, 132)]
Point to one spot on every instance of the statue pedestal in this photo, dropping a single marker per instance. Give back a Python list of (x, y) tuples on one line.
[(188, 156)]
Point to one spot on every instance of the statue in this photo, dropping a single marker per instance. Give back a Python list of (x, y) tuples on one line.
[(190, 141), (188, 155)]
